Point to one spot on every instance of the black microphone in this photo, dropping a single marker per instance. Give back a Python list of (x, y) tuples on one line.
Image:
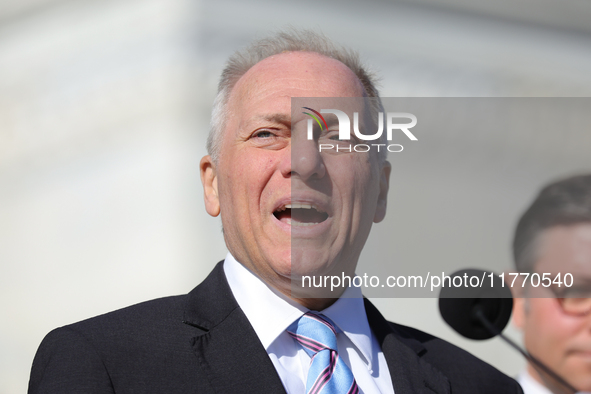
[(483, 311)]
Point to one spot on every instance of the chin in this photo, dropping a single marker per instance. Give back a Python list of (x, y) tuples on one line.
[(580, 376), (584, 381), (281, 264), (308, 262), (583, 385)]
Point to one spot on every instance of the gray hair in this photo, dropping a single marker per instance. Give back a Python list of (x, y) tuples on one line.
[(565, 202), (291, 41)]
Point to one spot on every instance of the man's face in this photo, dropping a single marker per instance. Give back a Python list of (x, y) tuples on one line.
[(267, 165), (560, 340)]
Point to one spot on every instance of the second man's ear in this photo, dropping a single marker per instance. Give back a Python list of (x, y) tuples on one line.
[(520, 300), (519, 311)]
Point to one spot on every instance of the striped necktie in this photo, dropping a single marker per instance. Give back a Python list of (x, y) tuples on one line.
[(328, 373)]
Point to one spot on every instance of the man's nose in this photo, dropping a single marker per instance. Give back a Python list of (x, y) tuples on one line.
[(306, 161)]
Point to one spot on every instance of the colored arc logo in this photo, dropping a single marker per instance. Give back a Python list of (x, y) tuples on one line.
[(316, 117)]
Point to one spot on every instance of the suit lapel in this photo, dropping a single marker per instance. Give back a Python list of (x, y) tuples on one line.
[(409, 372), (227, 346), (234, 360)]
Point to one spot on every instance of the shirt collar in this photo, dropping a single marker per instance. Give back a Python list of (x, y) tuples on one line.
[(348, 313), (258, 301), (531, 385)]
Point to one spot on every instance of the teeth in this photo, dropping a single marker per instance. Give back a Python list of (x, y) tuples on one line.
[(291, 223), (300, 205)]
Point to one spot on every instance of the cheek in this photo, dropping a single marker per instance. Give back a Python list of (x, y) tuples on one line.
[(354, 173), (244, 176), (234, 198), (367, 184), (547, 328)]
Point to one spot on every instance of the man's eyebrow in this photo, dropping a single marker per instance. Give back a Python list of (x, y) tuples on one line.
[(276, 118), (331, 120)]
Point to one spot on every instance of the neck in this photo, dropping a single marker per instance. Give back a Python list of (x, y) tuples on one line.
[(313, 298), (547, 381), (316, 304)]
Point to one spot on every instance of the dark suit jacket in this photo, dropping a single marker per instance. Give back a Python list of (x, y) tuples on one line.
[(203, 343)]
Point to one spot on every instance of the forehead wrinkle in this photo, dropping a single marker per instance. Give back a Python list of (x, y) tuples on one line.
[(312, 75), (273, 76)]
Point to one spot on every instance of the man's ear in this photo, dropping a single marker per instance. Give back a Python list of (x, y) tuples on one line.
[(383, 196), (209, 180), (519, 300), (519, 312)]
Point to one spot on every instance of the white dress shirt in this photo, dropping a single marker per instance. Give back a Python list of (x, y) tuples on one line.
[(270, 314), (530, 385)]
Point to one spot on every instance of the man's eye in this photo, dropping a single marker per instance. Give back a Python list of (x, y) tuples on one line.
[(336, 138), (332, 135), (263, 134)]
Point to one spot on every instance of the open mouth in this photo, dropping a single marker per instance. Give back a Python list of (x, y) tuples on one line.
[(299, 214)]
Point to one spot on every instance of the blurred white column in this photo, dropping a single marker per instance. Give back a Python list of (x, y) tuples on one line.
[(101, 131)]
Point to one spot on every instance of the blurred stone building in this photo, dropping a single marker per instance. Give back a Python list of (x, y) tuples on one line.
[(104, 110)]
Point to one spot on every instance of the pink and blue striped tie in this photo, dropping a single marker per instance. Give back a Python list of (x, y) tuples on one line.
[(328, 373)]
